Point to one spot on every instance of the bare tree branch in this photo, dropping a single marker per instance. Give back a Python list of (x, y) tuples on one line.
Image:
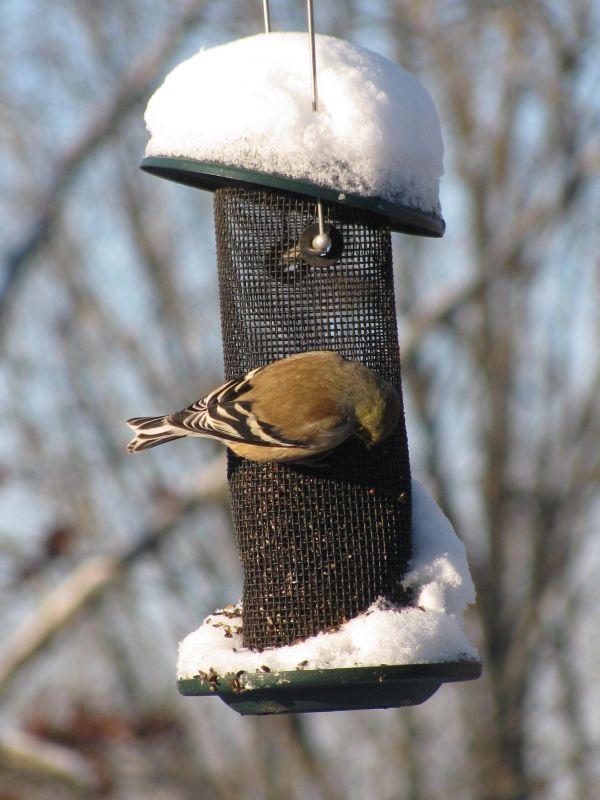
[(499, 259), (130, 90), (60, 605), (24, 751)]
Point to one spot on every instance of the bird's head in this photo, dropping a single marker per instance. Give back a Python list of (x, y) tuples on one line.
[(377, 413)]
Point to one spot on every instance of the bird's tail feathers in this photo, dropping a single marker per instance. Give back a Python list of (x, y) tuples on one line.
[(149, 432)]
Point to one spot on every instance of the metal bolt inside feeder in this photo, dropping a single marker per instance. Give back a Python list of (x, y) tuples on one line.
[(305, 263)]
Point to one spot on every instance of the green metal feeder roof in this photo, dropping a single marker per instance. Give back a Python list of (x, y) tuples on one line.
[(211, 176)]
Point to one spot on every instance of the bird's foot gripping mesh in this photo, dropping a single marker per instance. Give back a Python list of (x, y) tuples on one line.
[(319, 544)]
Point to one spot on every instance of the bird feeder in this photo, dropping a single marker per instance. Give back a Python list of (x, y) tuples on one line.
[(304, 205)]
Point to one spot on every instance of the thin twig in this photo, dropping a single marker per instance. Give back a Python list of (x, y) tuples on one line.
[(49, 760), (60, 605), (130, 90)]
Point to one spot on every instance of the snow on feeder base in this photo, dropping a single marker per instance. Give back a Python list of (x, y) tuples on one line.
[(323, 547), (387, 657)]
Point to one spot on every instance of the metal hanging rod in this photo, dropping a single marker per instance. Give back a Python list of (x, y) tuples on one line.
[(313, 54), (321, 242)]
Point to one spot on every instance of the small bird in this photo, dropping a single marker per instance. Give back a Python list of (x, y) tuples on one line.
[(290, 410)]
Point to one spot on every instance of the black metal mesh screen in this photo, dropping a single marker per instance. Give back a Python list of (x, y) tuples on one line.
[(318, 544)]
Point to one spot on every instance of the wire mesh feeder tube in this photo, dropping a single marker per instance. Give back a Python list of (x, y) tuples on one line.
[(318, 544)]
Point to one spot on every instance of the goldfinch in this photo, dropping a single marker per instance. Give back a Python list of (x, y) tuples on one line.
[(291, 410)]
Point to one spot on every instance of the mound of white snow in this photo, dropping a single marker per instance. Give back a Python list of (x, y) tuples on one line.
[(247, 104)]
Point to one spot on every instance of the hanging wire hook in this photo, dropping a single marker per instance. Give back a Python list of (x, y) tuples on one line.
[(321, 242), (267, 15), (313, 54)]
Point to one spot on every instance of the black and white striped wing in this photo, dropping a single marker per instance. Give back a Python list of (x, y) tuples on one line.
[(224, 414)]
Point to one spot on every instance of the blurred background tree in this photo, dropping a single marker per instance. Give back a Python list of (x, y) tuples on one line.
[(107, 308)]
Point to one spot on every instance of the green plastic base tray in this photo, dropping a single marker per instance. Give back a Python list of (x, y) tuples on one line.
[(211, 176), (303, 691)]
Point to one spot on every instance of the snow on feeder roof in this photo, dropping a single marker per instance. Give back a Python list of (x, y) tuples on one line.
[(241, 113)]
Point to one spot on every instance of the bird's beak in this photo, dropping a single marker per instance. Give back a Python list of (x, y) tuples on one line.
[(364, 436)]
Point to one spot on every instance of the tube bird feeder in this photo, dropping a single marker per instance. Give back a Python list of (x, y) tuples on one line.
[(321, 545)]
